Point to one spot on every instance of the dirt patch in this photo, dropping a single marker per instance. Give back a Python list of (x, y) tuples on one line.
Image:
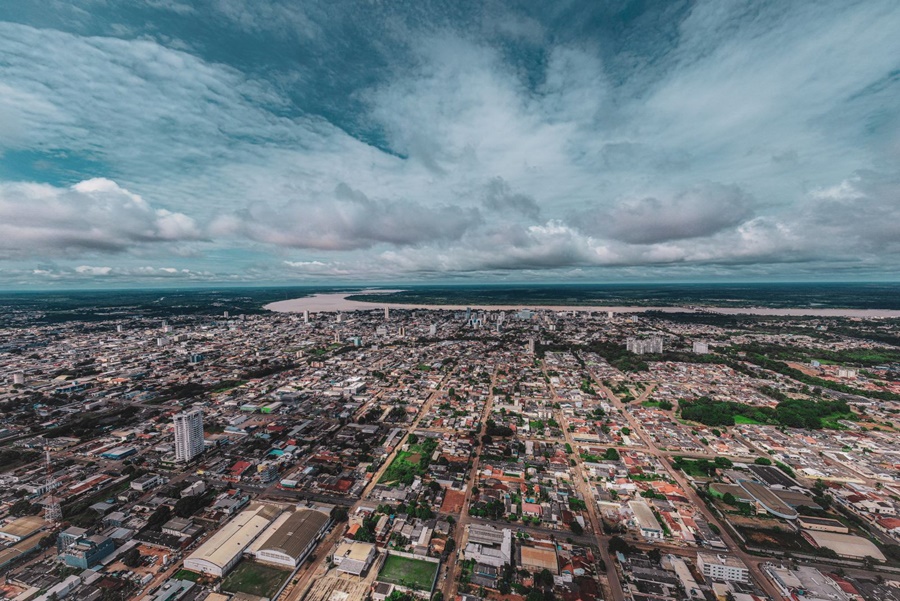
[(453, 501)]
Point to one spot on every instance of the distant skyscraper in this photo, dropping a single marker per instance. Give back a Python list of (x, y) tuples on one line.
[(188, 434), (432, 329), (387, 313), (19, 378), (531, 346), (306, 317), (468, 314), (700, 348)]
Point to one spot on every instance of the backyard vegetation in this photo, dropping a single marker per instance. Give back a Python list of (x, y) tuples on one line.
[(410, 463)]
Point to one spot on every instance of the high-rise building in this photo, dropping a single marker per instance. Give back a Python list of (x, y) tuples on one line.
[(387, 313), (188, 434), (432, 329), (700, 347), (643, 346), (531, 346), (306, 317)]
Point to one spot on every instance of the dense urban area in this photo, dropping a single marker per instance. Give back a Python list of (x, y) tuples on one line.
[(386, 454)]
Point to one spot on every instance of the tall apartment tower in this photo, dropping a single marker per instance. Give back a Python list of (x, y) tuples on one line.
[(188, 434), (387, 313)]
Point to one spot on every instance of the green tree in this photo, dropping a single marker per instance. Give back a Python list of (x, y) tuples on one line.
[(131, 557)]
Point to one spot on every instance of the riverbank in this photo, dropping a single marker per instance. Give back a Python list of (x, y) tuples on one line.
[(332, 303)]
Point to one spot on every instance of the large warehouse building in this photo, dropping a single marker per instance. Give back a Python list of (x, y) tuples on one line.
[(223, 550), (291, 538)]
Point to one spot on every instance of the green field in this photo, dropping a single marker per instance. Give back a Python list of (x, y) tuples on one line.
[(409, 464), (411, 573), (186, 575), (743, 419), (255, 579)]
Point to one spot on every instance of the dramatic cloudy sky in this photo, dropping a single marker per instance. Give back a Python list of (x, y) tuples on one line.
[(167, 141)]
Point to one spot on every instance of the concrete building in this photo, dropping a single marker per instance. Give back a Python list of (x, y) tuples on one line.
[(87, 551), (197, 488), (822, 524), (354, 558), (188, 434), (489, 546), (172, 590), (146, 482), (644, 346), (722, 567), (805, 582), (700, 348), (645, 520)]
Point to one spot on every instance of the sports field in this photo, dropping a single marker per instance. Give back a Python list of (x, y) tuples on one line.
[(255, 579), (411, 573)]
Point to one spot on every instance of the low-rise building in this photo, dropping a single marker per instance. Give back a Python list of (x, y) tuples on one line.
[(722, 567), (354, 557)]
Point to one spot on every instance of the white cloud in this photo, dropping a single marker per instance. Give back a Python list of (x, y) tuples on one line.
[(511, 146), (91, 216)]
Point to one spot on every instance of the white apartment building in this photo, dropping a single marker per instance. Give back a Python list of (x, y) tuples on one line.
[(722, 567), (188, 434)]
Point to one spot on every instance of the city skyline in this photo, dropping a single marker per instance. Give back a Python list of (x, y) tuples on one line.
[(176, 144)]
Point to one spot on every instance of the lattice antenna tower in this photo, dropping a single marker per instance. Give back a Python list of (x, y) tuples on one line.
[(52, 506)]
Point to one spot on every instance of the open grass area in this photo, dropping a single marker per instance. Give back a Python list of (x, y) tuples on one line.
[(255, 579), (831, 421), (410, 463), (743, 419), (411, 573), (186, 575)]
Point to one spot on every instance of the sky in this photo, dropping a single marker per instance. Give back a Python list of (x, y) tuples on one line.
[(167, 142)]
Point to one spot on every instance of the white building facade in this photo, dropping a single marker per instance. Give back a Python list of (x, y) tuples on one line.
[(188, 434)]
